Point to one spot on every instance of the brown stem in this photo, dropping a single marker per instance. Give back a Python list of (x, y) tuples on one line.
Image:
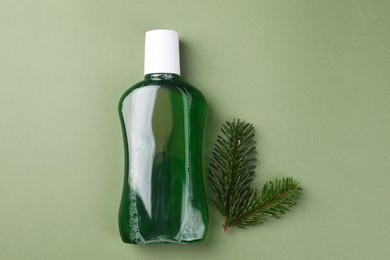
[(225, 226)]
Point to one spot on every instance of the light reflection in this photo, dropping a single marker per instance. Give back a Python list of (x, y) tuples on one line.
[(137, 111)]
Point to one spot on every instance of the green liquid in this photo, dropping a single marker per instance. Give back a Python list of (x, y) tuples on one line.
[(163, 199)]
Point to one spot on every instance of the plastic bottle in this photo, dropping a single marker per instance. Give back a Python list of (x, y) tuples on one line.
[(163, 199)]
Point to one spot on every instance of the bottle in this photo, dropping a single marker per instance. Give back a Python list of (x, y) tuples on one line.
[(162, 117)]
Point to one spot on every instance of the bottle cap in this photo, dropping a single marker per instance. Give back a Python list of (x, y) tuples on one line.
[(162, 52)]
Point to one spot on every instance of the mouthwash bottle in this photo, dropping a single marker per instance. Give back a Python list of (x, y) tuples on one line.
[(162, 117)]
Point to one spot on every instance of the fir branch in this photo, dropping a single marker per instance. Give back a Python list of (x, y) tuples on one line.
[(231, 173)]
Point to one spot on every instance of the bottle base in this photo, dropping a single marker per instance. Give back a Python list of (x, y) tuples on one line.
[(163, 240)]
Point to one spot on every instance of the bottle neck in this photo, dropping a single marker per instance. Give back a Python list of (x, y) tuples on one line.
[(161, 76)]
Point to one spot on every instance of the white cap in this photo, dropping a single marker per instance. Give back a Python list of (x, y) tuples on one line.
[(162, 52)]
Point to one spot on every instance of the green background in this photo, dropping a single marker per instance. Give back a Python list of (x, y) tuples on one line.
[(312, 76)]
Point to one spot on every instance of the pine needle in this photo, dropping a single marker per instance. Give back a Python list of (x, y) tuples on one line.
[(231, 174)]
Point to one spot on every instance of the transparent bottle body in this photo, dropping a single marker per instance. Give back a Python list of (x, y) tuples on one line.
[(163, 199)]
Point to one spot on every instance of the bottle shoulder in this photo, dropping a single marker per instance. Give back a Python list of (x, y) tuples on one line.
[(175, 85), (196, 93), (135, 86)]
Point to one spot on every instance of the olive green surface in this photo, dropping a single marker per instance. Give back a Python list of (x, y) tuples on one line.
[(312, 76)]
